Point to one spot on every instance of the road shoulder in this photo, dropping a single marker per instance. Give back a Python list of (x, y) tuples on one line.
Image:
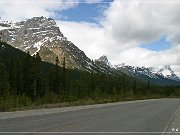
[(174, 125), (8, 115)]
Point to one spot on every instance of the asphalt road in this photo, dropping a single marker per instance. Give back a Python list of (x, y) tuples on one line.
[(142, 117)]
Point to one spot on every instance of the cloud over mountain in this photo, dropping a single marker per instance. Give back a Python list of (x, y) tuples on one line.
[(123, 27)]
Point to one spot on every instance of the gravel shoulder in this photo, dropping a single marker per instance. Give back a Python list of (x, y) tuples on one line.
[(7, 115)]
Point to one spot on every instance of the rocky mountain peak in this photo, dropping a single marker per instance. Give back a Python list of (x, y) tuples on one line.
[(167, 66), (104, 61), (40, 22), (167, 72), (152, 72), (41, 34)]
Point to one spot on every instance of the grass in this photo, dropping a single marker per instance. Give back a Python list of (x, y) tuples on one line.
[(24, 103)]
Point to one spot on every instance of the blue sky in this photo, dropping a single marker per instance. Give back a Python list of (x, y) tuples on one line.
[(124, 32), (160, 45), (84, 12), (120, 33), (93, 12)]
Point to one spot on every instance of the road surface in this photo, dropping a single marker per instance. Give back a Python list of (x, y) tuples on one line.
[(135, 117)]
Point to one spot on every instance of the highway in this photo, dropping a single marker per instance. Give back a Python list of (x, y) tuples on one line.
[(134, 117)]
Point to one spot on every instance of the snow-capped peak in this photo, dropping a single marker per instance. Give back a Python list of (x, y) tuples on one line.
[(166, 71), (104, 60), (162, 70), (32, 34), (119, 65), (152, 72)]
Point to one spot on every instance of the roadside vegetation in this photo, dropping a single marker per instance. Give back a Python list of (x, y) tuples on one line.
[(26, 83)]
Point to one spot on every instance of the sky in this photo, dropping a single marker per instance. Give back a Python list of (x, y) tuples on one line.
[(135, 32)]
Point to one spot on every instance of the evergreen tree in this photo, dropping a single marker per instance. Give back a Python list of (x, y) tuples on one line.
[(36, 76), (19, 78), (135, 87), (64, 75), (148, 87), (3, 77), (57, 77), (12, 73), (28, 74)]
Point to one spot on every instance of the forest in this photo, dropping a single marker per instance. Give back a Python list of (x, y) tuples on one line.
[(26, 81)]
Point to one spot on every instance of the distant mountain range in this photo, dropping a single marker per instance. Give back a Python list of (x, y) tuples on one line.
[(165, 71), (41, 34), (156, 74)]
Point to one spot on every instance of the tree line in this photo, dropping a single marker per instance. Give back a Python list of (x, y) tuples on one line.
[(26, 79)]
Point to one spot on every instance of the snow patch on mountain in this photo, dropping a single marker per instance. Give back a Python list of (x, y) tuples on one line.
[(152, 72), (135, 71), (167, 72), (3, 47), (41, 34), (104, 60)]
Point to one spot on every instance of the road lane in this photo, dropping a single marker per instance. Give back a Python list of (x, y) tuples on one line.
[(143, 116)]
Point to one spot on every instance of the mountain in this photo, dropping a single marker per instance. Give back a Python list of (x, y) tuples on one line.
[(28, 80), (145, 73), (103, 59), (165, 71), (41, 34), (155, 75), (135, 71)]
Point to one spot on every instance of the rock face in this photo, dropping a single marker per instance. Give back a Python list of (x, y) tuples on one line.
[(155, 74), (165, 71), (151, 72), (103, 59), (41, 34), (140, 72)]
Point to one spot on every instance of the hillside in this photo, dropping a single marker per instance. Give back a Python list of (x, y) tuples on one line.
[(27, 80), (143, 73), (42, 35)]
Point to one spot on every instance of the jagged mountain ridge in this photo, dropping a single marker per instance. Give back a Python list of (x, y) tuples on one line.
[(147, 73), (41, 34), (105, 60), (165, 71)]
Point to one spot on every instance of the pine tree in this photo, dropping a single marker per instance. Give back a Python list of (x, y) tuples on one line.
[(57, 77), (64, 75), (12, 73), (28, 74), (92, 85), (148, 87), (135, 87), (3, 77), (19, 78), (124, 82), (36, 76)]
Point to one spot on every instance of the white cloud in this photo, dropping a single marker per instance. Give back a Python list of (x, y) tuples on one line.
[(131, 24), (16, 10), (124, 26), (88, 37), (143, 22), (92, 1)]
